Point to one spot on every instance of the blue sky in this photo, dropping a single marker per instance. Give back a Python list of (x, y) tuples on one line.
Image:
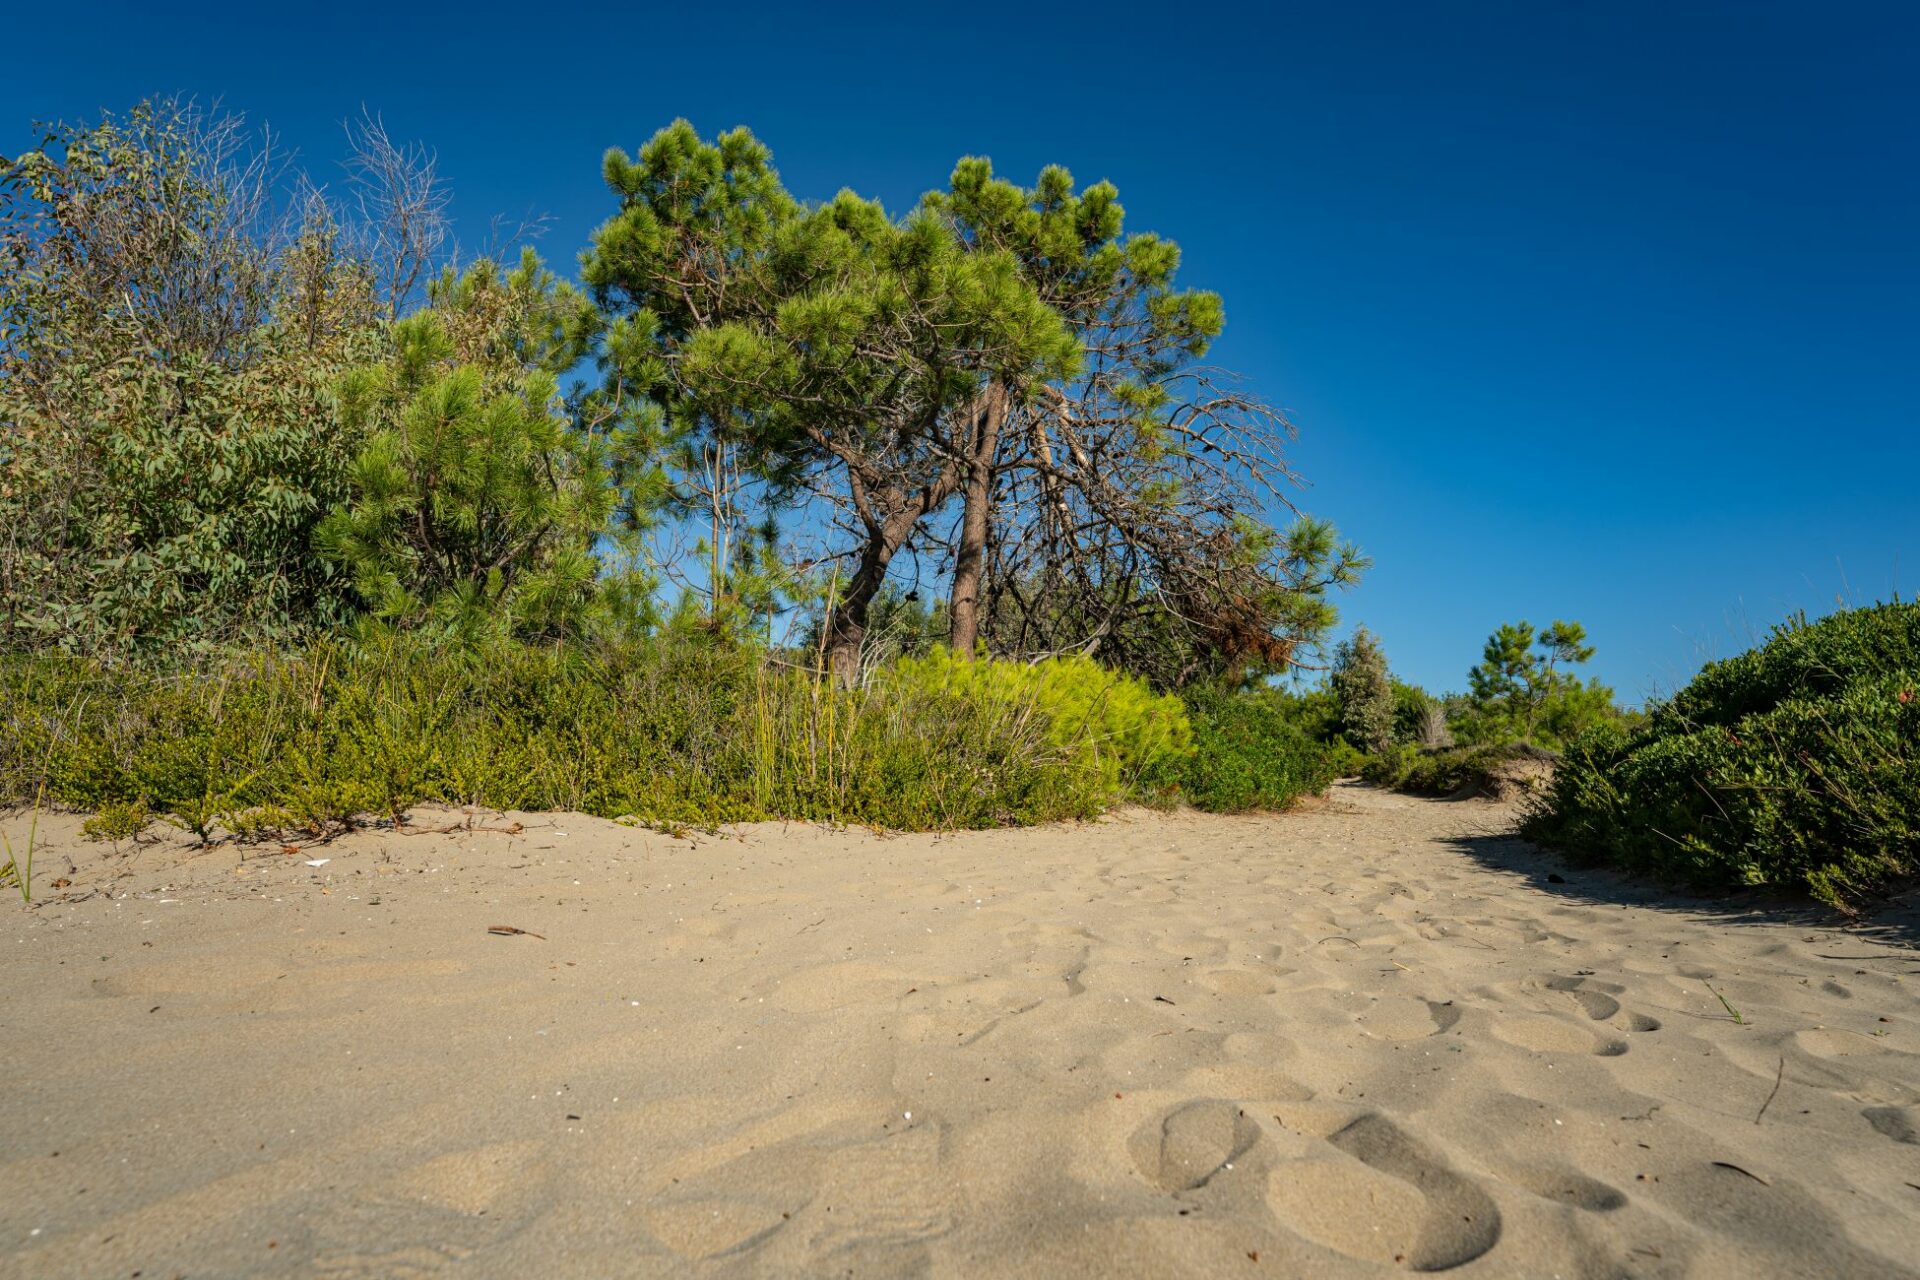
[(1609, 312)]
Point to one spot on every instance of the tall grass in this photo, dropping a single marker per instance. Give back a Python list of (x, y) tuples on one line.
[(18, 868)]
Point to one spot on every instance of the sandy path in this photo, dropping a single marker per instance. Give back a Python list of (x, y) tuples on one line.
[(1330, 1043)]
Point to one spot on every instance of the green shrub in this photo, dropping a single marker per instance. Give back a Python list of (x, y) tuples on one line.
[(1249, 752), (1389, 768), (1344, 760), (1495, 771), (116, 822), (669, 732), (1799, 660), (166, 358), (1111, 724), (1796, 765)]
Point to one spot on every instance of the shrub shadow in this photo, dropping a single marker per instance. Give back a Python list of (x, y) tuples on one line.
[(1894, 920)]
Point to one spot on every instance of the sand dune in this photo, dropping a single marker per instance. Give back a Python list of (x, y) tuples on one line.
[(1343, 1042)]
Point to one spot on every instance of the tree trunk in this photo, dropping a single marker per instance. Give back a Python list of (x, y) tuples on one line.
[(847, 620), (969, 563)]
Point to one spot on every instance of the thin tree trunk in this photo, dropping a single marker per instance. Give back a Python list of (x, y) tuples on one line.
[(847, 620), (963, 603)]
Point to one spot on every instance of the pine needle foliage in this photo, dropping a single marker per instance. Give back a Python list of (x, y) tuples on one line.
[(1364, 692), (477, 500)]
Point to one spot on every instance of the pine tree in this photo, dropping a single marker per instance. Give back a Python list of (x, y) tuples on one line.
[(1118, 510), (1364, 692), (477, 500), (837, 348), (1519, 683)]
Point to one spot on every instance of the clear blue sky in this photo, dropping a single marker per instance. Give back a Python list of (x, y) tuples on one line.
[(1605, 311)]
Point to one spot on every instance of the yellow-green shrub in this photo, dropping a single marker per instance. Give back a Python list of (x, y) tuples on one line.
[(1107, 723)]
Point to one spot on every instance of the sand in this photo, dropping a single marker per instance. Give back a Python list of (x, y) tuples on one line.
[(1367, 1037)]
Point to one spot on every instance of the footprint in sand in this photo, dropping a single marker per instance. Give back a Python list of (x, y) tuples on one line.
[(1774, 1218), (707, 1226), (1902, 1124), (1564, 1186), (1192, 1143), (1252, 1081), (1407, 1018), (1596, 1000), (833, 1188), (1554, 1035), (409, 1262), (1391, 1202)]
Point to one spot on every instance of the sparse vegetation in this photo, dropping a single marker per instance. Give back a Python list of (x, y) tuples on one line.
[(18, 869)]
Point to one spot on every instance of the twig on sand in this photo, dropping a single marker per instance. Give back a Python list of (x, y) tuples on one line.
[(410, 829), (1782, 1071), (1723, 1164), (508, 931)]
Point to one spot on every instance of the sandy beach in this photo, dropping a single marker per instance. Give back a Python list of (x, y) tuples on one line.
[(1370, 1036)]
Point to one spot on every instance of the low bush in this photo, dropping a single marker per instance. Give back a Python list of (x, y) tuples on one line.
[(1114, 728), (1795, 765), (1250, 752), (1499, 771), (677, 733)]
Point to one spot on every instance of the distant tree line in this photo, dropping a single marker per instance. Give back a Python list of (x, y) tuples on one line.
[(1524, 690)]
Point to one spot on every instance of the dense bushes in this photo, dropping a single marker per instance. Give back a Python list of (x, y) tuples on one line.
[(1250, 751), (1499, 772), (1115, 730), (167, 356), (669, 732), (672, 732), (297, 523), (1797, 764)]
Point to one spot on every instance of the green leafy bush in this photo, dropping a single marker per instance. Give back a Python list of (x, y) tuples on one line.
[(1798, 660), (1796, 765), (1250, 751), (166, 359)]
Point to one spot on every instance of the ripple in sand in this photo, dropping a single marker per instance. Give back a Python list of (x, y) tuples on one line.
[(707, 1226)]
